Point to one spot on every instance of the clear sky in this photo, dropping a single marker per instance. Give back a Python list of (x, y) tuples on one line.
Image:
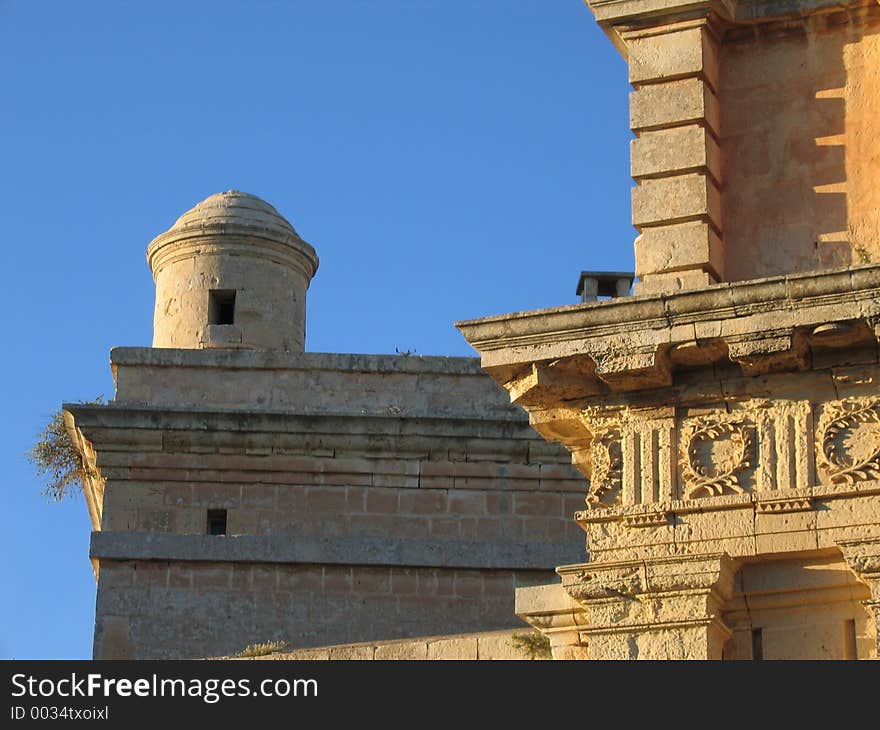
[(448, 159)]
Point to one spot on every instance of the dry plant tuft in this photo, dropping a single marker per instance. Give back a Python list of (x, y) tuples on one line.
[(268, 647), (57, 461)]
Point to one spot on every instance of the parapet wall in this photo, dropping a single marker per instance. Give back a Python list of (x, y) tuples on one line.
[(269, 381)]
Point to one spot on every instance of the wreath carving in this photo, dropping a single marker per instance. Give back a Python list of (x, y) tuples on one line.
[(711, 478), (839, 420), (605, 476)]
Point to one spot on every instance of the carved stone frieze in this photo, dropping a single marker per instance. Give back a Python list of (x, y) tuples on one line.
[(647, 519), (848, 440), (603, 456), (605, 477), (791, 504), (863, 556), (714, 452)]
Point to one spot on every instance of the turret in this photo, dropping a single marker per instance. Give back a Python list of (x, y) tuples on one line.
[(231, 273)]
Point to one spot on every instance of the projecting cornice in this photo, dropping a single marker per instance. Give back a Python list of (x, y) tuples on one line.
[(617, 17), (632, 343)]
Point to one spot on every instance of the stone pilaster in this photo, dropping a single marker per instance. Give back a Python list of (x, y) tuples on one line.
[(675, 157), (668, 608)]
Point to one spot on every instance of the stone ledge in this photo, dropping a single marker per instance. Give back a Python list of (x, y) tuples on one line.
[(774, 501), (282, 360), (764, 325), (488, 555), (652, 12), (482, 646), (152, 417)]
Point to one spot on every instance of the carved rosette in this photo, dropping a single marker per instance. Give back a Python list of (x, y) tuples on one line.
[(605, 476), (848, 440), (715, 450)]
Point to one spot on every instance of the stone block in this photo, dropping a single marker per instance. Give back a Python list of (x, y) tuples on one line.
[(423, 501), (326, 499), (193, 521), (540, 504), (673, 54), (444, 527), (678, 247), (113, 638), (671, 282), (337, 579), (616, 538), (461, 648), (402, 651), (352, 652), (381, 500), (687, 101), (369, 580), (404, 581), (667, 200), (307, 655), (499, 646), (301, 579), (664, 152), (855, 510), (468, 583), (206, 575), (467, 503)]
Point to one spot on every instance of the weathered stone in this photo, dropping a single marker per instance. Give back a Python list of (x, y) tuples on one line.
[(673, 54), (685, 246), (232, 257), (671, 199), (666, 152), (674, 103), (722, 494)]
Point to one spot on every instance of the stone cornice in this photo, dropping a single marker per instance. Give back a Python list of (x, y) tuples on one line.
[(634, 342), (619, 17), (173, 246), (155, 418), (282, 360), (645, 12), (361, 550)]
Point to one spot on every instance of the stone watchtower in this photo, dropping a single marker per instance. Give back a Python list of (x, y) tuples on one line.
[(727, 415), (231, 273), (242, 490)]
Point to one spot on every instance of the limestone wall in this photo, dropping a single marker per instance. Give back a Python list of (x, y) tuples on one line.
[(800, 111), (174, 609), (391, 497)]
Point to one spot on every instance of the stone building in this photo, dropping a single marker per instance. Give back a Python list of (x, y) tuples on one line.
[(723, 422), (727, 415), (243, 490)]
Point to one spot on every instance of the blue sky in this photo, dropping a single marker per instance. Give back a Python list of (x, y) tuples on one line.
[(448, 159)]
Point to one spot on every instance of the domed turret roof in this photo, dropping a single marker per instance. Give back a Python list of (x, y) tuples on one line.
[(242, 224), (233, 209)]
